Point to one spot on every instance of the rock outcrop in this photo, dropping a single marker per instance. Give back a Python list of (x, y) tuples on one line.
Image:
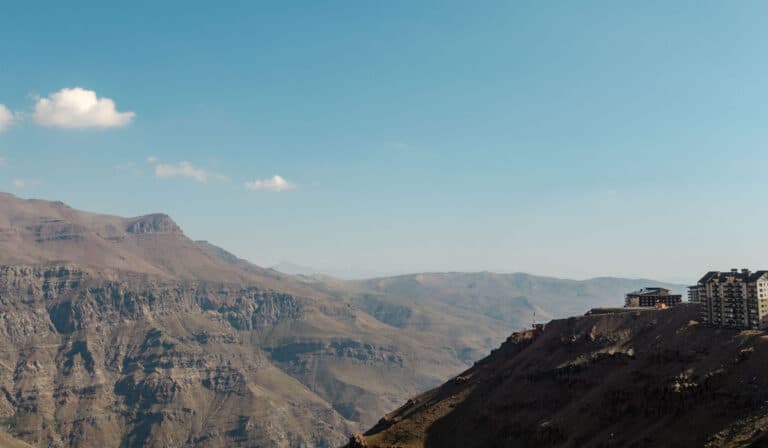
[(357, 441), (155, 223)]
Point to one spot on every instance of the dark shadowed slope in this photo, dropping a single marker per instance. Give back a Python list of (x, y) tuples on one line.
[(647, 379)]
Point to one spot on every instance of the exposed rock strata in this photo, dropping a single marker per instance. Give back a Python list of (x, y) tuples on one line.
[(89, 362)]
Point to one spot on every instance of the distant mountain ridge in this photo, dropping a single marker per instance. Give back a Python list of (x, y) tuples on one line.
[(340, 273), (167, 341), (512, 298)]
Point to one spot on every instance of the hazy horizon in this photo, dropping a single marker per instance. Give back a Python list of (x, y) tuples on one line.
[(598, 139), (353, 273)]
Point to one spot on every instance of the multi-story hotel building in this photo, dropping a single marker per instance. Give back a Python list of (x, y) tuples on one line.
[(693, 294), (651, 297), (735, 299)]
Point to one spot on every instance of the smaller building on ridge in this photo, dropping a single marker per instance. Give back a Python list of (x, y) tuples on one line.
[(652, 297)]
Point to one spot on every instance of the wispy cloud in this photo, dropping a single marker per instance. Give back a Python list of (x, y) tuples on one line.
[(79, 108), (20, 184), (182, 169), (275, 183), (6, 117)]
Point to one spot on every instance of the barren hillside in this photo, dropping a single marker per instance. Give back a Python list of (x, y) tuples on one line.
[(645, 379)]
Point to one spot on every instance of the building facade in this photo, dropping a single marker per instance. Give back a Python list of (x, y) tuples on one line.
[(693, 294), (651, 297), (735, 299)]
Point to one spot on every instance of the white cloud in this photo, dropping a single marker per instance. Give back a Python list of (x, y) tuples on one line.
[(183, 169), (25, 183), (151, 159), (275, 183), (3, 160), (6, 117), (79, 108)]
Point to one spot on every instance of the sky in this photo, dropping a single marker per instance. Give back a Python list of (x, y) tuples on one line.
[(573, 139)]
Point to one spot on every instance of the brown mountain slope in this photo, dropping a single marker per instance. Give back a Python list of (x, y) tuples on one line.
[(7, 441), (39, 232), (647, 379), (123, 331), (140, 362), (112, 358)]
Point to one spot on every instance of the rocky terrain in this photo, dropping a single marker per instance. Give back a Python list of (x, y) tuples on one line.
[(92, 361), (125, 359), (635, 379), (123, 332)]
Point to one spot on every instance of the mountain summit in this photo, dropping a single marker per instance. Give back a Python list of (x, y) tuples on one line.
[(39, 232)]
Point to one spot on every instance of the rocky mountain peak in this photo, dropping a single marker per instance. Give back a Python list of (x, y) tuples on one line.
[(154, 223)]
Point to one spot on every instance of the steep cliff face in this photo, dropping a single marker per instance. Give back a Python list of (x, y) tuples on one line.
[(104, 358), (647, 379), (86, 361)]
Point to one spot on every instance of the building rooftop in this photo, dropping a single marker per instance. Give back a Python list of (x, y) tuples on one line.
[(733, 274), (649, 291)]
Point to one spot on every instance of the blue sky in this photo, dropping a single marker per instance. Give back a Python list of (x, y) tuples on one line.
[(573, 139)]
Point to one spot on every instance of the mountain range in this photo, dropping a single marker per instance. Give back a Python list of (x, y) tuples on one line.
[(124, 332)]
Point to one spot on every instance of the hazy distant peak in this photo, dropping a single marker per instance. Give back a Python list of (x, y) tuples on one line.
[(287, 267)]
